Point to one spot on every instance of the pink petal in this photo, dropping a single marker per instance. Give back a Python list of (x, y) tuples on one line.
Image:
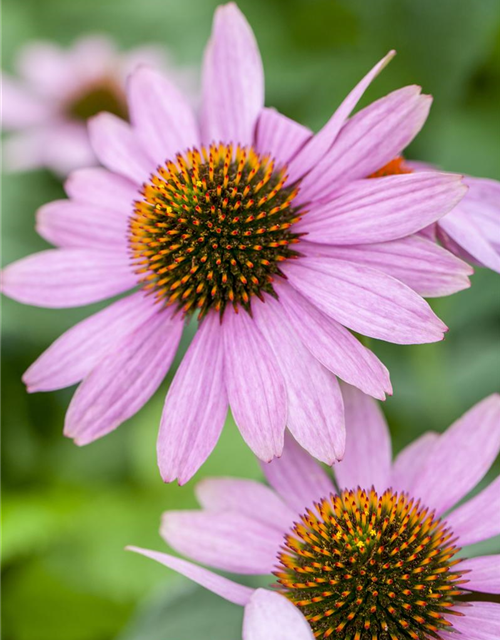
[(483, 205), (101, 188), (119, 148), (315, 408), (226, 540), (270, 615), (410, 462), (423, 265), (484, 573), (367, 460), (368, 141), (368, 211), (463, 229), (248, 497), (322, 142), (479, 518), (480, 620), (227, 589), (59, 145), (71, 224), (196, 406), (366, 300), (297, 477), (124, 381), (48, 68), (20, 108), (62, 278), (466, 450), (233, 80), (279, 136), (334, 346), (161, 115), (255, 385), (72, 356)]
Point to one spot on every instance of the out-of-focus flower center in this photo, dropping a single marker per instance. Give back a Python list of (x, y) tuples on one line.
[(103, 96), (368, 567), (395, 167), (212, 229)]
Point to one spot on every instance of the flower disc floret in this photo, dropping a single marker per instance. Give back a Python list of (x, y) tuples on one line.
[(368, 567), (212, 229)]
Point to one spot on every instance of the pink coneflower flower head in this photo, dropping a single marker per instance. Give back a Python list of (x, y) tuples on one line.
[(58, 90), (381, 552), (259, 229), (471, 230)]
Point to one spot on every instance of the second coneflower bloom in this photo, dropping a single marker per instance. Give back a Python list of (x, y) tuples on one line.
[(382, 553), (270, 235)]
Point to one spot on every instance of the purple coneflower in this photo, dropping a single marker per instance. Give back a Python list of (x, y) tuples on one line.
[(270, 235), (379, 553), (58, 89)]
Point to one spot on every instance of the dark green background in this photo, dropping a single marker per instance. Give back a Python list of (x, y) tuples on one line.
[(68, 512)]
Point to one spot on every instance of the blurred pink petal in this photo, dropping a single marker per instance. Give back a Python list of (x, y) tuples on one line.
[(367, 460), (270, 615), (249, 544), (297, 477)]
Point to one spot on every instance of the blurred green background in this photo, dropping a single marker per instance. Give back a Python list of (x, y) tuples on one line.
[(67, 511)]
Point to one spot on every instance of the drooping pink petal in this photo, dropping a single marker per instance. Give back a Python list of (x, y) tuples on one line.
[(225, 540), (255, 386), (321, 143), (249, 497), (124, 380), (102, 188), (366, 300), (334, 346), (367, 459), (270, 615), (227, 589), (466, 232), (232, 81), (368, 211), (480, 620), (409, 462), (20, 108), (479, 518), (118, 147), (466, 450), (423, 265), (74, 354), (368, 141), (315, 408), (71, 224), (279, 136), (161, 115), (297, 477), (62, 278), (484, 573), (195, 407)]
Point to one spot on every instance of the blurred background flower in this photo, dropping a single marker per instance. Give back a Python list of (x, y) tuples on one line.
[(69, 512), (58, 89)]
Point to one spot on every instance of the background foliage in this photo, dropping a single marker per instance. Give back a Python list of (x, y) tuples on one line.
[(68, 512)]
